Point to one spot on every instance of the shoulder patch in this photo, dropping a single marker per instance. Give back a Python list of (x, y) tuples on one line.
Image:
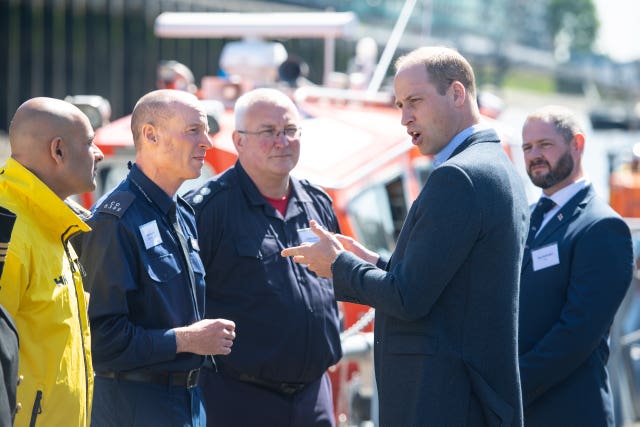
[(315, 189), (200, 195), (117, 203)]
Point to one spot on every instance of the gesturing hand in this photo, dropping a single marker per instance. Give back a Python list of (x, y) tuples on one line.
[(317, 256)]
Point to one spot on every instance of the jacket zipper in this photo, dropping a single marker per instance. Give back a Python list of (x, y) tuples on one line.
[(37, 408), (65, 242)]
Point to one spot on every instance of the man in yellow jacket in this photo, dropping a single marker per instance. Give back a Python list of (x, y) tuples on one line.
[(52, 158)]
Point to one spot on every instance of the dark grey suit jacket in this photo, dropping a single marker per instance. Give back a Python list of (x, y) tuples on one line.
[(566, 310), (446, 304)]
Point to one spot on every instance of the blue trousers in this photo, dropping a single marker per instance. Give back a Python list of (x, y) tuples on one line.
[(138, 404), (231, 403)]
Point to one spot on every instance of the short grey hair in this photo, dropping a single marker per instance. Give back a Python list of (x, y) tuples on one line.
[(256, 96), (564, 121)]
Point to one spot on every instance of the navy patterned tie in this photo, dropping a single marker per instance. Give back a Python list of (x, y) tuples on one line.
[(544, 205)]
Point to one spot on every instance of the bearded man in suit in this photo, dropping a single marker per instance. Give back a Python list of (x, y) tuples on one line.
[(576, 269)]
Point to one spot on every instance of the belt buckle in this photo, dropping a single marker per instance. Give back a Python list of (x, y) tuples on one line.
[(192, 378), (291, 389)]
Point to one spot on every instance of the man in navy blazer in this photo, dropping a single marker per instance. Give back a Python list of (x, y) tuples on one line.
[(446, 301), (576, 269)]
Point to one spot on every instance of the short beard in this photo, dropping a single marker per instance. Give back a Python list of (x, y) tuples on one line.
[(561, 171)]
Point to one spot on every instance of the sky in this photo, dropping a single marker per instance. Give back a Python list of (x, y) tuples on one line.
[(619, 35)]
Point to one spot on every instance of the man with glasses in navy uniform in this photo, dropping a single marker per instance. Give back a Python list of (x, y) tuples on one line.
[(286, 315)]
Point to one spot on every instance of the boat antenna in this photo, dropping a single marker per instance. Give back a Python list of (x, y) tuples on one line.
[(390, 48)]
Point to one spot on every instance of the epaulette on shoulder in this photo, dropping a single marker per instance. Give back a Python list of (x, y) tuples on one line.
[(117, 203), (198, 197), (315, 189)]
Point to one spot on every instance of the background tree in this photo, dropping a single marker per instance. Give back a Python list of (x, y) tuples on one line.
[(574, 25)]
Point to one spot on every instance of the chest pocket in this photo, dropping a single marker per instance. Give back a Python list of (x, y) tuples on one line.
[(162, 267), (260, 260), (249, 248), (265, 250)]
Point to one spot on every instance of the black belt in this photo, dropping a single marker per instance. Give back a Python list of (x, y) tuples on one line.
[(286, 389), (188, 379)]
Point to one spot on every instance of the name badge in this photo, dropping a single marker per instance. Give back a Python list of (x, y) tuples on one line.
[(194, 244), (544, 257), (150, 234), (306, 235)]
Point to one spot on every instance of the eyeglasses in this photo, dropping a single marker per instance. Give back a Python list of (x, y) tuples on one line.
[(289, 133)]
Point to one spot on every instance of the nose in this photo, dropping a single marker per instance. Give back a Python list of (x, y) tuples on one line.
[(406, 118), (97, 154), (281, 139), (206, 142), (532, 153)]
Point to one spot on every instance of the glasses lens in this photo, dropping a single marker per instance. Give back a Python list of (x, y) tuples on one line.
[(292, 133), (268, 134)]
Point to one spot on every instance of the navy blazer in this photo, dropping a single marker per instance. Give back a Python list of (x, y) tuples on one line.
[(446, 306), (566, 310)]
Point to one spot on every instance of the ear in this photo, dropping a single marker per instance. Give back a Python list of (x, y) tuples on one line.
[(149, 133), (56, 149), (459, 93), (578, 141), (238, 140)]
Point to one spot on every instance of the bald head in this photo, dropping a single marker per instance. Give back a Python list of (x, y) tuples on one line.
[(38, 121), (53, 139), (170, 133), (266, 96), (158, 107)]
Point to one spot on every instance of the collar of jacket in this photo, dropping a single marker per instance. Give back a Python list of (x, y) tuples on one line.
[(485, 135), (573, 207), (61, 217), (250, 189)]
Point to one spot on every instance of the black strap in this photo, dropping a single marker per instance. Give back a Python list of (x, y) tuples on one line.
[(173, 218)]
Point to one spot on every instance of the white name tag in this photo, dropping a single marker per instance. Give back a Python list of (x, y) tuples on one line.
[(150, 234), (308, 236), (546, 256)]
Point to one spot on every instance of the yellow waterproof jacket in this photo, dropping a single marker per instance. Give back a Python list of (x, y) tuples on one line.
[(41, 287)]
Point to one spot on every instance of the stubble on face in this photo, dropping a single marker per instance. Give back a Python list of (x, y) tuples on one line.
[(556, 173)]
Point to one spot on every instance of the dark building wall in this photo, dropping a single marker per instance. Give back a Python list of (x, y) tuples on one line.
[(107, 47), (103, 47)]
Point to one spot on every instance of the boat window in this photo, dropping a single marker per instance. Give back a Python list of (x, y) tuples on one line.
[(423, 168), (377, 215)]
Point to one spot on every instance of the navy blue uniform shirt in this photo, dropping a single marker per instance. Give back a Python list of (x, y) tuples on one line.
[(139, 284), (286, 316)]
